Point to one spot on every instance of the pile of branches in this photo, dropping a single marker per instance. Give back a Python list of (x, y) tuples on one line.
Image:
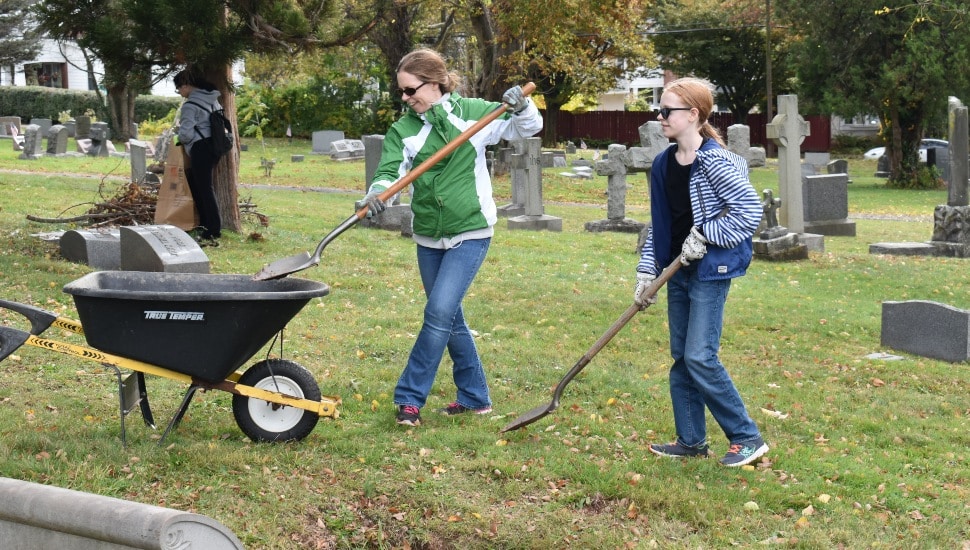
[(132, 204)]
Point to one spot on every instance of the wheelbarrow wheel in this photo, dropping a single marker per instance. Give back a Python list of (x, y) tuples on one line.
[(265, 421)]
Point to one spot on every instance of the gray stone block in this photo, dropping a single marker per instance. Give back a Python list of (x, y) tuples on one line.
[(536, 223), (33, 515), (96, 248), (927, 329), (161, 248)]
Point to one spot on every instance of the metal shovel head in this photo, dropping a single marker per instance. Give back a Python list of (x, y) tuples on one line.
[(530, 417), (282, 268)]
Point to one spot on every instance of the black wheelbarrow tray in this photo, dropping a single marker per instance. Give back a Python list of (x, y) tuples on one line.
[(193, 328)]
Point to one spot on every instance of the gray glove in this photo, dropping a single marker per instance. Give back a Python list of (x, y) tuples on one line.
[(694, 247), (515, 99), (373, 203), (644, 280)]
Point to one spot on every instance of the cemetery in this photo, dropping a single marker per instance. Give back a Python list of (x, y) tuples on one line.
[(851, 309)]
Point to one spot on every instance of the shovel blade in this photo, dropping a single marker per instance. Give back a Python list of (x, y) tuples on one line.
[(530, 417), (282, 268)]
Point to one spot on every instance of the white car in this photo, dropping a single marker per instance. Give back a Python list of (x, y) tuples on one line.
[(929, 143)]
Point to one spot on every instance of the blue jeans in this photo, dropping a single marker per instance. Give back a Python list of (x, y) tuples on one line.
[(446, 275), (695, 311)]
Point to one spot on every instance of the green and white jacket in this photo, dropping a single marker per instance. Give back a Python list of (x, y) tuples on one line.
[(452, 201)]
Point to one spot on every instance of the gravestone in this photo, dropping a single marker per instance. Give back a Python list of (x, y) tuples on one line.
[(826, 205), (322, 139), (739, 143), (71, 126), (99, 140), (6, 122), (297, 158), (817, 161), (57, 140), (773, 242), (927, 329), (139, 160), (788, 130), (347, 149), (619, 162), (570, 148), (534, 217), (83, 127), (100, 249), (161, 248), (514, 165), (838, 166), (44, 123), (397, 216), (959, 143), (552, 159), (33, 143), (40, 516)]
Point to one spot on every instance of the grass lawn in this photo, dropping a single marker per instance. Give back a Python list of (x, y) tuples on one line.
[(866, 453)]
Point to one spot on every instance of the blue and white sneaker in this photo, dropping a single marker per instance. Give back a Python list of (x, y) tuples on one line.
[(745, 453)]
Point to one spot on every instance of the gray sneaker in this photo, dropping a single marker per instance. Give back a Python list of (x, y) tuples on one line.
[(745, 453), (676, 450)]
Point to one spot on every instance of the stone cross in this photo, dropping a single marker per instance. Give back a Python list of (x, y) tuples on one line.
[(788, 130), (615, 172), (958, 133), (534, 217), (770, 206)]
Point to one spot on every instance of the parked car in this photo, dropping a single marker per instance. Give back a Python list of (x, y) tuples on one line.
[(928, 143)]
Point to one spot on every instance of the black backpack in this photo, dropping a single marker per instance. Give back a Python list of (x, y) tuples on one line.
[(221, 141)]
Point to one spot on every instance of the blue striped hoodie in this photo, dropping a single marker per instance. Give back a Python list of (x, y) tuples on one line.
[(725, 206)]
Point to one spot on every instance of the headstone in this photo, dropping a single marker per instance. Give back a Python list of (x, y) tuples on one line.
[(615, 169), (817, 160), (513, 160), (773, 242), (6, 122), (71, 126), (57, 140), (296, 158), (83, 127), (33, 143), (534, 217), (139, 160), (347, 149), (37, 515), (927, 329), (826, 205), (161, 248), (570, 148), (44, 123), (838, 166), (99, 140), (959, 144), (322, 139), (100, 249), (397, 216), (788, 130)]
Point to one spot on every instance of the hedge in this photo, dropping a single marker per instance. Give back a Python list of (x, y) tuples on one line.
[(29, 102)]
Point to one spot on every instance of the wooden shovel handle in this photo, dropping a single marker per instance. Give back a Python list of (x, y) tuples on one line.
[(415, 173)]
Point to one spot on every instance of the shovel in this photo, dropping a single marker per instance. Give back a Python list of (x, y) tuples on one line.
[(282, 268), (543, 410)]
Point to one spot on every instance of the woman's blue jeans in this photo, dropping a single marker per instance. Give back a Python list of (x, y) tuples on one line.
[(446, 275), (695, 311)]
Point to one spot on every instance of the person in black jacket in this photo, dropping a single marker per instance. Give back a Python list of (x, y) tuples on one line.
[(194, 131)]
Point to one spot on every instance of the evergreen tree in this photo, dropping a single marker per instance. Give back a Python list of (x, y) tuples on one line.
[(19, 42)]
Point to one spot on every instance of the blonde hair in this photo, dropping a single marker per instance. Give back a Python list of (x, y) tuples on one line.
[(699, 94), (429, 66)]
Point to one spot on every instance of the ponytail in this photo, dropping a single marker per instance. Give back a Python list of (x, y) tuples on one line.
[(709, 131)]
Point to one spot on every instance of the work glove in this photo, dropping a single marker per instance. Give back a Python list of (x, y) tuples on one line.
[(694, 247), (373, 203), (515, 99), (644, 280)]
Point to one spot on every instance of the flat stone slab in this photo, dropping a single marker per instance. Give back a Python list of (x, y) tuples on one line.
[(927, 329), (625, 225), (903, 249), (33, 515), (535, 223), (100, 249), (161, 248)]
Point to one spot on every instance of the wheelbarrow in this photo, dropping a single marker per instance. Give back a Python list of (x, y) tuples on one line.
[(193, 328)]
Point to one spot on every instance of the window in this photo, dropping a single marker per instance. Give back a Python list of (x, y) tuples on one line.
[(51, 75)]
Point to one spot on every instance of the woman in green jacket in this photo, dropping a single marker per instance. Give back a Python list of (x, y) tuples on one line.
[(453, 218)]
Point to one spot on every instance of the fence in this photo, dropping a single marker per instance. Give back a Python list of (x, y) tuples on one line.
[(623, 127)]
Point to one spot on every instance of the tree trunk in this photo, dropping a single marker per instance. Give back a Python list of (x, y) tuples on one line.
[(550, 122), (121, 111), (225, 177)]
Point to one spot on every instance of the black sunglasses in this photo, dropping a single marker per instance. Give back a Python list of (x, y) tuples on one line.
[(665, 111), (409, 91)]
